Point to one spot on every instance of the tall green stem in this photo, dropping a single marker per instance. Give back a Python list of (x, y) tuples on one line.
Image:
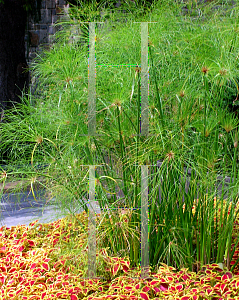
[(161, 117), (122, 151), (205, 80)]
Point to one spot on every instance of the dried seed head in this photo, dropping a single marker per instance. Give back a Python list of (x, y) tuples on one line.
[(170, 155), (228, 127), (207, 133), (223, 72), (182, 93), (34, 179), (205, 69), (117, 102), (39, 139), (4, 174), (137, 69)]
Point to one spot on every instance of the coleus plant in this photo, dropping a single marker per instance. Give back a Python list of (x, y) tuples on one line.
[(31, 268)]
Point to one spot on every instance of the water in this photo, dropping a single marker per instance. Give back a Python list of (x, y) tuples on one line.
[(22, 209)]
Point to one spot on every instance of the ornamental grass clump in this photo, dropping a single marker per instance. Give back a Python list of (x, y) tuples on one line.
[(190, 152)]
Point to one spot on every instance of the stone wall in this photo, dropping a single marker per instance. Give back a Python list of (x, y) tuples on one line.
[(42, 32), (40, 35)]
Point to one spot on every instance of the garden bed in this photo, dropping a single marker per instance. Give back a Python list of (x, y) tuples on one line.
[(32, 268)]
